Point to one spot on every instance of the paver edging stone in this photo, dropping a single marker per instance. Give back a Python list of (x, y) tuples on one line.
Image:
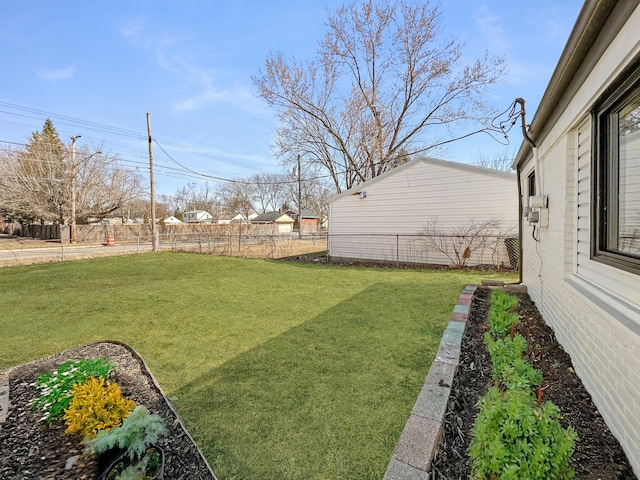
[(416, 448)]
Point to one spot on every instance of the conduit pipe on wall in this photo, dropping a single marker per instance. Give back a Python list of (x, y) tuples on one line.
[(534, 150), (529, 140)]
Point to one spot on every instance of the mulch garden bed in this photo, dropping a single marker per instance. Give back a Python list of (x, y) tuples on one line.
[(31, 450), (598, 455)]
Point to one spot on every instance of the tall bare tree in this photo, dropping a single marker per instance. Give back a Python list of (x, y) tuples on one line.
[(381, 87), (270, 190), (236, 197), (103, 186), (195, 196), (314, 194)]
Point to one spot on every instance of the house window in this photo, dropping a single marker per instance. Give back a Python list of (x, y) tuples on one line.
[(531, 184), (617, 174)]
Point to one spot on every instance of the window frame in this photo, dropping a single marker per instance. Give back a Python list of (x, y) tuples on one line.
[(605, 167), (531, 183)]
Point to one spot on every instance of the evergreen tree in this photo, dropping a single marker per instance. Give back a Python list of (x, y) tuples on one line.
[(42, 176)]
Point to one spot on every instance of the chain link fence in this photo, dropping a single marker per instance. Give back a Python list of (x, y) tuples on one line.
[(453, 251), (250, 245), (456, 251)]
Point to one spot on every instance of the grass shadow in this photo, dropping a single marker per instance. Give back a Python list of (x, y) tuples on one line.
[(326, 399)]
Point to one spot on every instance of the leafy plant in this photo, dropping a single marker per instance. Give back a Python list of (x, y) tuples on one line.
[(96, 406), (148, 467), (503, 301), (513, 439), (137, 432), (510, 368), (54, 387), (502, 317)]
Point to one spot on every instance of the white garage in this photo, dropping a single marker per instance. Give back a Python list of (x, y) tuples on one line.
[(427, 211)]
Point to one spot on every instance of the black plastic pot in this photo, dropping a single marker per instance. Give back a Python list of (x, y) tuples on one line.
[(117, 460)]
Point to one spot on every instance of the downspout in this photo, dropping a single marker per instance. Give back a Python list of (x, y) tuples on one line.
[(534, 150), (520, 228)]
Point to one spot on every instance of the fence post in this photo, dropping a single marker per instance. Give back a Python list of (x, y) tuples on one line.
[(397, 250)]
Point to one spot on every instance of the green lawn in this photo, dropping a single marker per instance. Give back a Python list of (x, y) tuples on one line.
[(279, 370)]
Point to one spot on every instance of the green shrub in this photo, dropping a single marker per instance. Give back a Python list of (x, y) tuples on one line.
[(510, 369), (147, 468), (514, 438), (96, 406), (54, 387), (503, 301), (500, 322), (502, 316), (138, 431)]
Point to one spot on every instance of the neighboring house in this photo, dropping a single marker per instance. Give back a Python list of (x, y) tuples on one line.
[(310, 220), (224, 219), (580, 177), (283, 221), (172, 220), (238, 218), (104, 221), (380, 219), (197, 216)]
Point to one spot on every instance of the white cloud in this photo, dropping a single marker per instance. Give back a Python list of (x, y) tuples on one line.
[(490, 24), (174, 53), (60, 74), (208, 93), (132, 28)]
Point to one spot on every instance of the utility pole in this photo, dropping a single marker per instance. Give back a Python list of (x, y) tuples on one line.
[(299, 200), (154, 233), (73, 187)]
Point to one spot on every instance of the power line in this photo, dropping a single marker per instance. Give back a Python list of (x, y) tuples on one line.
[(28, 112)]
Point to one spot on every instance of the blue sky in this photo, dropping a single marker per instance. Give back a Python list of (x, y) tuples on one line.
[(97, 68)]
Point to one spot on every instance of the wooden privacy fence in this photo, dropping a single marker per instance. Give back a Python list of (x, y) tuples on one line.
[(130, 233), (42, 232)]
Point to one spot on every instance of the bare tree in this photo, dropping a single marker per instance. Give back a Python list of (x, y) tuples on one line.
[(503, 161), (103, 186), (270, 190), (380, 88), (236, 197), (12, 205), (315, 192), (196, 196), (461, 244)]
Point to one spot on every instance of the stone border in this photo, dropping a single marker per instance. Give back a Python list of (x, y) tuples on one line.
[(4, 397), (417, 445)]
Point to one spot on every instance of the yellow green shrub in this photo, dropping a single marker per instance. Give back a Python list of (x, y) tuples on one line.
[(96, 406)]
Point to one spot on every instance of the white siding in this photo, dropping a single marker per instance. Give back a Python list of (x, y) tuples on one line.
[(593, 308), (406, 200), (584, 196)]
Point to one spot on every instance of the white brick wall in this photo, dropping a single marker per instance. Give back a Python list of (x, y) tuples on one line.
[(605, 352), (593, 308)]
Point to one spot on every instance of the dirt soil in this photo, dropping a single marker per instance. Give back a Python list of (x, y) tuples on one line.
[(598, 455), (31, 450)]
